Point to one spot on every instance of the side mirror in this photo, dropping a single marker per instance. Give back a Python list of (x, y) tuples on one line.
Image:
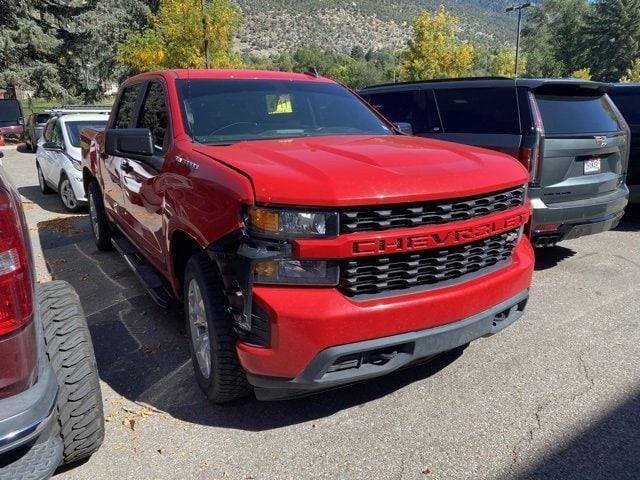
[(52, 147), (133, 143), (404, 127)]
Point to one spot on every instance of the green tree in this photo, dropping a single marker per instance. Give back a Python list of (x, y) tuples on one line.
[(613, 38), (582, 73), (185, 34), (503, 63), (435, 51), (633, 72)]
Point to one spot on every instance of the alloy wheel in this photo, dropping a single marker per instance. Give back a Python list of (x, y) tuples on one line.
[(199, 329)]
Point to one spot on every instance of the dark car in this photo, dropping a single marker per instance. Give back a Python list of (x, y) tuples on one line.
[(626, 96), (34, 128), (11, 119), (567, 133), (50, 401)]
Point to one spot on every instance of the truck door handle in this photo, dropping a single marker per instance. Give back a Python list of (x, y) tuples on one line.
[(126, 168)]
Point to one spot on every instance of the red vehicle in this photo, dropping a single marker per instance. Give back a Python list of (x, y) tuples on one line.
[(311, 243)]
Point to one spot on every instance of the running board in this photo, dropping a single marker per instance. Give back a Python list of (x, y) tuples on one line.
[(147, 275)]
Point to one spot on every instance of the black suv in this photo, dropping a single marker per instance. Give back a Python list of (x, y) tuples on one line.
[(567, 133), (50, 401), (626, 96)]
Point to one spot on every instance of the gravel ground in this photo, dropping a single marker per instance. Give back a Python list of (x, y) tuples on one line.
[(556, 396)]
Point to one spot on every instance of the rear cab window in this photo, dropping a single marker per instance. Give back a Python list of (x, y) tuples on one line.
[(490, 110), (576, 114)]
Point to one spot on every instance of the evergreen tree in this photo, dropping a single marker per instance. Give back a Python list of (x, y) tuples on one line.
[(613, 38)]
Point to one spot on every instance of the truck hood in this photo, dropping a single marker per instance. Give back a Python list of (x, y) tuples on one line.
[(361, 170)]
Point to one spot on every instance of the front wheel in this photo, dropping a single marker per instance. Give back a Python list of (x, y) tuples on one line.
[(67, 195), (212, 337)]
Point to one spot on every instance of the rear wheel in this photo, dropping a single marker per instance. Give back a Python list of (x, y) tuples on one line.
[(67, 195), (99, 222), (212, 337), (44, 188), (70, 352)]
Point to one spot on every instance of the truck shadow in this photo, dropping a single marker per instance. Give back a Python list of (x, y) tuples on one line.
[(549, 257), (142, 350)]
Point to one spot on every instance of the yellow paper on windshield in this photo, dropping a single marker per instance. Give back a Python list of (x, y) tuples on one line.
[(279, 104)]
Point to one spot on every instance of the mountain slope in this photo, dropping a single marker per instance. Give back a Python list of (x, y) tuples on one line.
[(272, 26)]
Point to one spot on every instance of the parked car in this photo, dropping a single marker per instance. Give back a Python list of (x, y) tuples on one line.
[(58, 159), (626, 96), (311, 242), (34, 129), (50, 401), (566, 132), (11, 119)]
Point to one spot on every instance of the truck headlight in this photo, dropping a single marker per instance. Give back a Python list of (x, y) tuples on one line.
[(286, 223), (297, 272)]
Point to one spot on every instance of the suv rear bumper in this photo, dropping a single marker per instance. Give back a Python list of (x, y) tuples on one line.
[(307, 321), (360, 361), (579, 217)]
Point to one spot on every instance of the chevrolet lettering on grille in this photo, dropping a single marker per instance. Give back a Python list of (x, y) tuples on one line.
[(407, 243)]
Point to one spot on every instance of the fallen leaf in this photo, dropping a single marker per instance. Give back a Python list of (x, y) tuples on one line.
[(161, 451), (130, 423)]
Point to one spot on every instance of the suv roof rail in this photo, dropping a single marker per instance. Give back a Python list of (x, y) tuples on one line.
[(67, 109), (438, 80)]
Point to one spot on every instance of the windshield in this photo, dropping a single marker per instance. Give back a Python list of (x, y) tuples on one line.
[(74, 129), (10, 111), (227, 111)]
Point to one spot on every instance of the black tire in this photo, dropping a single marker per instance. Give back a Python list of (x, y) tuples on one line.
[(44, 188), (64, 186), (100, 225), (70, 351), (227, 381)]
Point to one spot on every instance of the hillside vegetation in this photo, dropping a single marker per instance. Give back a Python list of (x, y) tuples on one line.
[(274, 26)]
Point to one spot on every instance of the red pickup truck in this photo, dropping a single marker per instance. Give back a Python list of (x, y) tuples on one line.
[(311, 242)]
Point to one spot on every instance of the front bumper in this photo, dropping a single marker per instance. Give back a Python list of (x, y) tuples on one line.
[(579, 217), (360, 361), (307, 321)]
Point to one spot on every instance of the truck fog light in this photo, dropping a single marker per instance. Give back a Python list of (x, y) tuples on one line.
[(297, 272)]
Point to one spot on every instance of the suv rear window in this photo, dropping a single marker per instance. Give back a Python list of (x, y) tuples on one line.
[(628, 102), (580, 114), (10, 110), (479, 110)]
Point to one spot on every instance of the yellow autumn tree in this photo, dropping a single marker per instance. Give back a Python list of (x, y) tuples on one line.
[(633, 72), (582, 74), (185, 34), (435, 50), (503, 63)]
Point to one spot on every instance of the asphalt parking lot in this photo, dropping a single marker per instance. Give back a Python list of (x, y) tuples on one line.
[(556, 396)]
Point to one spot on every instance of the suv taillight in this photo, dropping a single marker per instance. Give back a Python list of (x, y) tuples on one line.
[(627, 131), (16, 290), (531, 158)]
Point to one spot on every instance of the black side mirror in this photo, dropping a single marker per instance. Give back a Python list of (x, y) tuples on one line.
[(404, 127), (52, 147), (133, 143)]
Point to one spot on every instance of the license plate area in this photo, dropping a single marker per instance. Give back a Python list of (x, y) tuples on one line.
[(592, 165)]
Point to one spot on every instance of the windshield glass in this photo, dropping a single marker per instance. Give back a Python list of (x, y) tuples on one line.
[(74, 129), (227, 111), (9, 111)]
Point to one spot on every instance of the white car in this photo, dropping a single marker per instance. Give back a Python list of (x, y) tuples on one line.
[(58, 158)]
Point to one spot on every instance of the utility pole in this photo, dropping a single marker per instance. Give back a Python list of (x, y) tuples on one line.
[(205, 36), (519, 8)]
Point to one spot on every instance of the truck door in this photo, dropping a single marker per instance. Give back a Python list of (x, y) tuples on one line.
[(111, 167), (143, 201)]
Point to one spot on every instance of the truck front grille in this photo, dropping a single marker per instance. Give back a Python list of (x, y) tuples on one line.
[(417, 214), (439, 267)]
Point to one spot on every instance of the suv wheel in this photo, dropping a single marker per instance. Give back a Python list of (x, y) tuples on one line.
[(70, 351), (67, 196), (212, 337), (44, 188), (100, 225)]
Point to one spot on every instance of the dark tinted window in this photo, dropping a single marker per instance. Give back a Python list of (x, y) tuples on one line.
[(10, 110), (154, 115), (576, 114), (628, 102), (227, 111), (74, 129), (479, 110), (127, 104), (42, 117), (412, 107)]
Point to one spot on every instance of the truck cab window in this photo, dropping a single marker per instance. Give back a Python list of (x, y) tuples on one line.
[(127, 104), (154, 116)]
